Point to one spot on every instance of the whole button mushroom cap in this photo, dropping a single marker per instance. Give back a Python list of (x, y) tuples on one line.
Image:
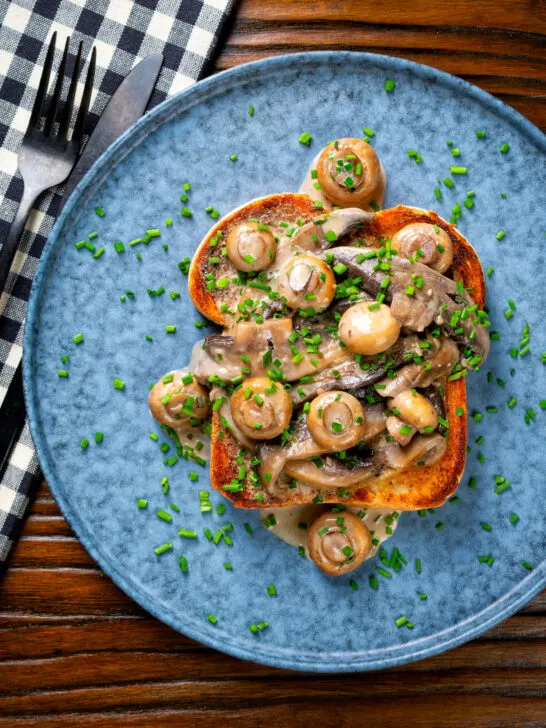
[(339, 542), (178, 403), (306, 281), (426, 243), (367, 328), (251, 247), (336, 420), (415, 409), (261, 408), (350, 173)]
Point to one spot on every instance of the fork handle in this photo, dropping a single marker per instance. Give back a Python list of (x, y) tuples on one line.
[(9, 247)]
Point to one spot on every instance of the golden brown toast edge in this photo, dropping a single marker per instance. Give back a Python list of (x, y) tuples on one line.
[(286, 206), (416, 487)]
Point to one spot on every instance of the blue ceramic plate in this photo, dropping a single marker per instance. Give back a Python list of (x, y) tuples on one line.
[(315, 623)]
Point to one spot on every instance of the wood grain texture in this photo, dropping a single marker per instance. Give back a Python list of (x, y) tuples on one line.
[(75, 651)]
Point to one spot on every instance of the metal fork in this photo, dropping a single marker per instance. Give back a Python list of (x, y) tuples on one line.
[(47, 156)]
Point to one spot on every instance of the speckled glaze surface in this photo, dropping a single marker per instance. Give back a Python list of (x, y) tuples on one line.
[(316, 623)]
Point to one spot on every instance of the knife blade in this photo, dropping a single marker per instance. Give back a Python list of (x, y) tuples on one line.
[(126, 106)]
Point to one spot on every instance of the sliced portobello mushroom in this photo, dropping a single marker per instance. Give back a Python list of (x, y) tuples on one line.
[(256, 347)]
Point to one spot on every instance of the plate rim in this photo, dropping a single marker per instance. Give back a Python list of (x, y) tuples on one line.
[(378, 658)]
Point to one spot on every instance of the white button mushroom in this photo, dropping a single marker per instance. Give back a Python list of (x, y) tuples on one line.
[(350, 173), (306, 281), (367, 328), (399, 430), (428, 244), (339, 542), (261, 408), (179, 401), (336, 420), (415, 409), (251, 246)]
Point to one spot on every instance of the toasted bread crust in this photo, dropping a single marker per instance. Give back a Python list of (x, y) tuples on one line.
[(415, 487), (287, 207)]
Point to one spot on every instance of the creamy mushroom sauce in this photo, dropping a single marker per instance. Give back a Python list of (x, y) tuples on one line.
[(363, 330), (289, 519)]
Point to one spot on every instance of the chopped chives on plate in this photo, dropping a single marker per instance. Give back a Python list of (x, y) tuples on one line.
[(119, 384), (84, 443), (185, 533), (305, 138), (142, 503), (390, 85), (63, 373), (78, 338), (163, 548)]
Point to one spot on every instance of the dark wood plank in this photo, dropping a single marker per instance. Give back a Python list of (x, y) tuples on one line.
[(84, 591), (482, 711), (192, 693), (74, 650), (507, 14), (91, 668), (50, 552)]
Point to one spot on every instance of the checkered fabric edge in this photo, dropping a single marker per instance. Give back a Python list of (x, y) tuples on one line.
[(124, 32)]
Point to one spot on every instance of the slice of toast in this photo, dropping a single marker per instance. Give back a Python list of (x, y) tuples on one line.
[(271, 210), (413, 488)]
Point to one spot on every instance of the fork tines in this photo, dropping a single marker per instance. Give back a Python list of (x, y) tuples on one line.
[(54, 103)]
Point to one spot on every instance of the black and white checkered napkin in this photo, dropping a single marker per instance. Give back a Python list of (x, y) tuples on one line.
[(123, 31)]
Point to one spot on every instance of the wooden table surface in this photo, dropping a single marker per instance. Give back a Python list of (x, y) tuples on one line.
[(76, 651)]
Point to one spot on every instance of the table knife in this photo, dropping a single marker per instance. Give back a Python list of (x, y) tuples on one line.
[(126, 106)]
